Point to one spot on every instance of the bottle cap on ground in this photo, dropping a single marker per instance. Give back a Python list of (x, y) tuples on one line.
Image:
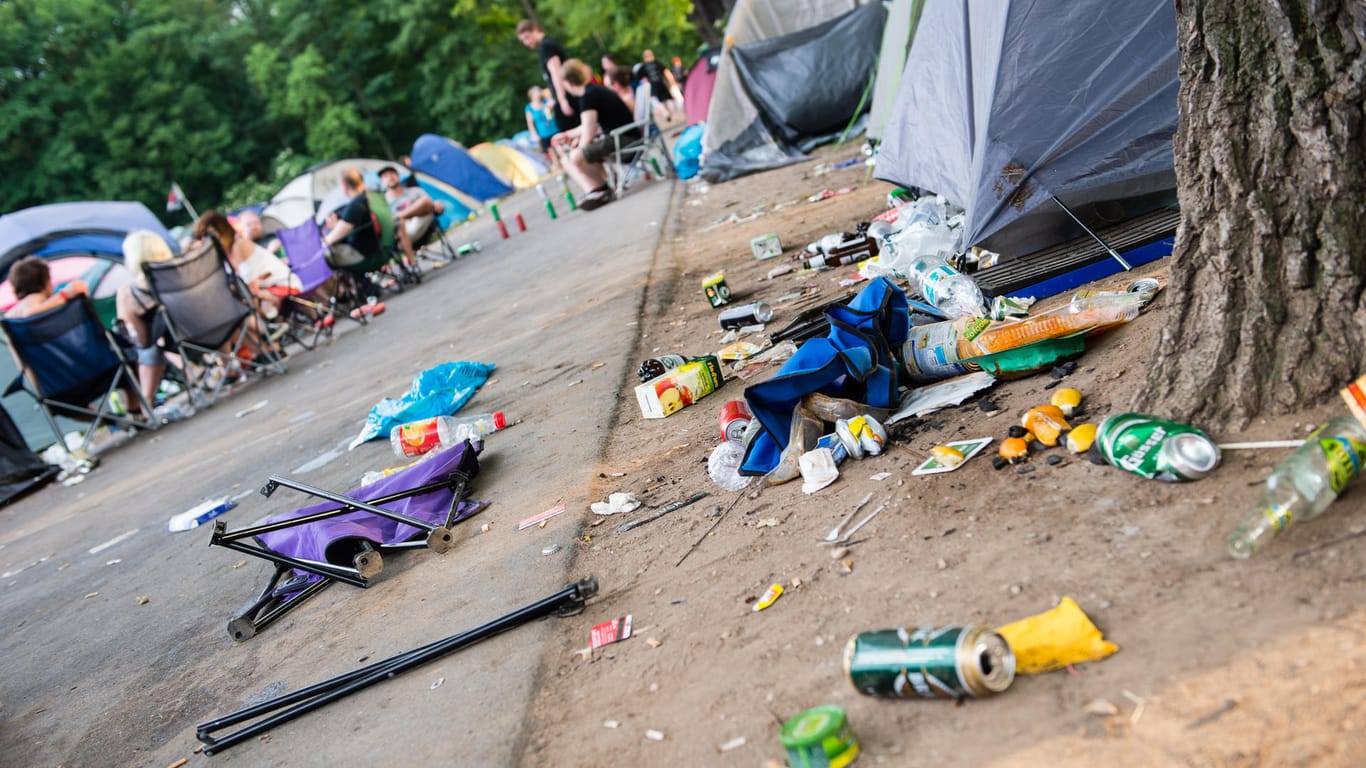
[(499, 420)]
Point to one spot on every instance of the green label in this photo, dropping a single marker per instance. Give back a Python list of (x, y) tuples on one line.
[(1344, 457), (975, 326)]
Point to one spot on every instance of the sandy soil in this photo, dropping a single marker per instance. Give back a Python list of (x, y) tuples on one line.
[(1222, 663)]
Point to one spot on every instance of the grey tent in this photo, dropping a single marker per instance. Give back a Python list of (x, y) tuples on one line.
[(792, 74), (902, 16), (1004, 105)]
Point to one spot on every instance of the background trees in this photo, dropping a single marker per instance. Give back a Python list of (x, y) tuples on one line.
[(104, 99)]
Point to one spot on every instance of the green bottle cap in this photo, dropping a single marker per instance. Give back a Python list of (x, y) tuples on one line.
[(812, 727)]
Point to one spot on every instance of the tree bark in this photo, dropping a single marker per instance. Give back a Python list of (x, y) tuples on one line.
[(1266, 312)]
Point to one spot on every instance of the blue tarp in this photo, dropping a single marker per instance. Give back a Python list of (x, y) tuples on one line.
[(448, 161), (438, 391)]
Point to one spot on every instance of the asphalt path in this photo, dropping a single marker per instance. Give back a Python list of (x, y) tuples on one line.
[(113, 640)]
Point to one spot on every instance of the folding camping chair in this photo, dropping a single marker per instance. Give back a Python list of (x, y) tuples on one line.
[(637, 145), (68, 361), (308, 315), (210, 317), (343, 538), (393, 266)]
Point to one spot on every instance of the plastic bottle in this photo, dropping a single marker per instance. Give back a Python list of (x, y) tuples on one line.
[(950, 291), (723, 466), (1303, 486), (1085, 314), (418, 437)]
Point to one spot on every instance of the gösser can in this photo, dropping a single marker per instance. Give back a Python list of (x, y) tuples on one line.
[(1156, 448), (930, 662)]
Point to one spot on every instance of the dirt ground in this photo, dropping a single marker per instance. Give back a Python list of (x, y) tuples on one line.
[(1221, 663)]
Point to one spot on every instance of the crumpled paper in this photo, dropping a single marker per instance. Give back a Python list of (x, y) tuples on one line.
[(818, 469), (615, 504)]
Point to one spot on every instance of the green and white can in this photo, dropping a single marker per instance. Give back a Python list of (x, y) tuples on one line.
[(930, 662), (1156, 448)]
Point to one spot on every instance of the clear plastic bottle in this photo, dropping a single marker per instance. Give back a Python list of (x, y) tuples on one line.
[(952, 292), (418, 437), (1303, 486), (723, 466)]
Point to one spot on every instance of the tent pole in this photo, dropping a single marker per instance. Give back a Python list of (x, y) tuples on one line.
[(1113, 253)]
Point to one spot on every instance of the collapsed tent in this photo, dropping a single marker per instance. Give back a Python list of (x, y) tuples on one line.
[(698, 85), (317, 192), (510, 165), (791, 77), (1005, 105), (447, 160)]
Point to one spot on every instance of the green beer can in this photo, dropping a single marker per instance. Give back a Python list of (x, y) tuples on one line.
[(930, 662), (1156, 448)]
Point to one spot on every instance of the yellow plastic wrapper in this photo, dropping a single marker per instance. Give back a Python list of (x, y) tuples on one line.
[(1055, 638)]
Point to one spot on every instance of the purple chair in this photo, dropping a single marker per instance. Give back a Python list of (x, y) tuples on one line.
[(309, 315)]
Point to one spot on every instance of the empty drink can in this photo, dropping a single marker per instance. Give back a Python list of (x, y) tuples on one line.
[(735, 418), (819, 738), (756, 313), (930, 662), (1156, 448)]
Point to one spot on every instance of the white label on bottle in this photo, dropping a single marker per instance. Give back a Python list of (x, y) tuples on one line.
[(931, 352), (930, 285)]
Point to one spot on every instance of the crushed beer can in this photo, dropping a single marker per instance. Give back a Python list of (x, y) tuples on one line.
[(1155, 448)]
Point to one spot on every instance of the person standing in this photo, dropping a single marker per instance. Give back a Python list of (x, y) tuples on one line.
[(540, 121), (660, 78), (553, 56)]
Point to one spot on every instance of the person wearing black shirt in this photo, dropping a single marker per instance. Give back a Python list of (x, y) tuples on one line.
[(600, 112), (351, 231), (553, 56), (660, 78)]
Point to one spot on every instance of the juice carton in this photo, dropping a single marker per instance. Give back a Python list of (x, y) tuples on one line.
[(679, 388)]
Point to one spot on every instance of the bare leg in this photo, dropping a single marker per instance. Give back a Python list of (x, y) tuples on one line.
[(589, 176), (127, 309)]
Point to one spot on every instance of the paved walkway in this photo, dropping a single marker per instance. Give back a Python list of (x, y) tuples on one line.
[(93, 674)]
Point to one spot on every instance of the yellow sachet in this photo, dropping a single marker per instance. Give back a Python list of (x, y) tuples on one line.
[(1055, 638)]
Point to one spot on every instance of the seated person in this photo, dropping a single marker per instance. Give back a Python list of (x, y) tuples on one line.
[(268, 278), (136, 306), (619, 80), (599, 108), (32, 283), (352, 235), (414, 211), (248, 225)]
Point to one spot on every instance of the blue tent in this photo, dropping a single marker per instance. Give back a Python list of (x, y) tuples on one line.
[(446, 160), (85, 227)]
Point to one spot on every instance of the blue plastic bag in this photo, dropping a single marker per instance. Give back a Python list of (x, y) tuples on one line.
[(438, 391), (688, 150)]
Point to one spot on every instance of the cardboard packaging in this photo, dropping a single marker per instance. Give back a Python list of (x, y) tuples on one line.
[(679, 388)]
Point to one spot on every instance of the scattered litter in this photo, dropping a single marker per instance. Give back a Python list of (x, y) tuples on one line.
[(575, 382), (653, 642), (654, 735), (611, 724), (251, 408), (1226, 706), (1139, 704), (540, 518), (90, 595), (767, 522), (610, 632), (1056, 638), (770, 597), (818, 470), (838, 553), (179, 763), (597, 365), (879, 477), (932, 397), (662, 511), (615, 504), (733, 744), (143, 599), (1101, 708), (845, 567), (1259, 445), (550, 550), (437, 683), (118, 560), (937, 463), (238, 564), (437, 391), (199, 514)]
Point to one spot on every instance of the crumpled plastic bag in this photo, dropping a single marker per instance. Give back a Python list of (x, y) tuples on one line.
[(615, 504), (818, 470), (1055, 638), (438, 391)]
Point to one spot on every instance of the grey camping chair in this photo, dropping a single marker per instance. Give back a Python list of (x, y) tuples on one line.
[(638, 145), (210, 317)]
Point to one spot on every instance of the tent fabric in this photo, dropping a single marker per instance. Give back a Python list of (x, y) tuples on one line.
[(37, 229), (857, 360), (529, 149), (902, 16), (698, 85), (21, 470), (739, 139), (317, 191), (445, 159), (1023, 101), (509, 164)]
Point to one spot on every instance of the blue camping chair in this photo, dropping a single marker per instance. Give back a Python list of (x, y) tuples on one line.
[(68, 362), (209, 315)]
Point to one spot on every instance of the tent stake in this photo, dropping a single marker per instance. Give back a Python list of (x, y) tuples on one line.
[(1113, 253)]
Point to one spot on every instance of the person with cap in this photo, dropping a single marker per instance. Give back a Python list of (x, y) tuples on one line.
[(414, 211)]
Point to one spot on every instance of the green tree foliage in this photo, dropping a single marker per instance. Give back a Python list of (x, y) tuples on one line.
[(115, 99)]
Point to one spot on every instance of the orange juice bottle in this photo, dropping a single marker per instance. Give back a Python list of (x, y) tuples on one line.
[(1085, 314)]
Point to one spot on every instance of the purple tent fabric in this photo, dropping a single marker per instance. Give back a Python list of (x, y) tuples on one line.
[(336, 540)]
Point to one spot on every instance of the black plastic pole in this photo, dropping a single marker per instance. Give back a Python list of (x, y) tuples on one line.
[(327, 691)]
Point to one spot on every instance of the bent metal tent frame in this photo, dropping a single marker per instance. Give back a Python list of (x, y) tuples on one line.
[(1022, 102)]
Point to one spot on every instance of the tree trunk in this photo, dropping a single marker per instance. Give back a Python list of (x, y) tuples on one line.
[(1266, 311)]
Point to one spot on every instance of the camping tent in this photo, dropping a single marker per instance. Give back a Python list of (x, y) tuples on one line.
[(510, 165), (79, 240), (317, 192), (698, 85), (1022, 102), (446, 160), (902, 16), (792, 75), (530, 149)]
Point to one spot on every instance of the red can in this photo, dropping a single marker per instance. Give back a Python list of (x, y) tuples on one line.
[(735, 418)]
